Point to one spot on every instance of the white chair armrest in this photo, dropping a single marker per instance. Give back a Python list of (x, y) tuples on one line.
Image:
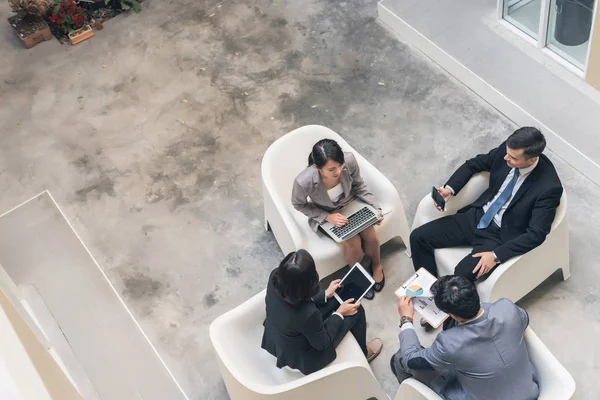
[(378, 184), (426, 211), (282, 220), (555, 381), (325, 373), (470, 192), (343, 381), (243, 317), (412, 389), (500, 281)]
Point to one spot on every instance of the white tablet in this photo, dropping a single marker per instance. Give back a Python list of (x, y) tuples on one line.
[(354, 285)]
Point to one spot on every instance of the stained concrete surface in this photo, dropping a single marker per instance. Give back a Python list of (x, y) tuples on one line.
[(150, 136)]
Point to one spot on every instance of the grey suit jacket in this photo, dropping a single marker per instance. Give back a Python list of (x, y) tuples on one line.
[(487, 358), (310, 197)]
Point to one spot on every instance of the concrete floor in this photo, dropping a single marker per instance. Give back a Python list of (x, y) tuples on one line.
[(150, 137)]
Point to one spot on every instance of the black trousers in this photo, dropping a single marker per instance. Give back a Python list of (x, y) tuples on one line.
[(357, 324), (452, 231)]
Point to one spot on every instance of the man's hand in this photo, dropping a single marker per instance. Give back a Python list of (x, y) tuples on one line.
[(485, 264), (446, 194), (332, 288), (405, 307), (337, 219), (380, 217)]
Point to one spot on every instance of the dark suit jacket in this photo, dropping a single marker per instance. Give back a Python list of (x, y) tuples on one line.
[(296, 334), (530, 214)]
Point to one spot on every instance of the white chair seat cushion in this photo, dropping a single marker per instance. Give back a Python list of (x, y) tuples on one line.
[(447, 259), (347, 351)]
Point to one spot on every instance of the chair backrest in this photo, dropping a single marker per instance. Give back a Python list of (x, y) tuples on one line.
[(237, 335), (288, 156)]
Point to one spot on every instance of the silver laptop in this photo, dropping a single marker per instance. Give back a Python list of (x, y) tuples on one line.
[(360, 216)]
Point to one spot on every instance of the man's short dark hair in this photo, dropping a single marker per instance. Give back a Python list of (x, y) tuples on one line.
[(296, 279), (456, 295), (528, 138)]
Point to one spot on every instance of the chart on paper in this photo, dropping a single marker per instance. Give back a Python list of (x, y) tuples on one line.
[(414, 290), (418, 286)]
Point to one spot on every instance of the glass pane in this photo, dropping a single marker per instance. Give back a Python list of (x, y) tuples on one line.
[(569, 29), (524, 14)]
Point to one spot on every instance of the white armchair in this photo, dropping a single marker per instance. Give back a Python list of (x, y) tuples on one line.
[(250, 373), (555, 381), (282, 162), (518, 276)]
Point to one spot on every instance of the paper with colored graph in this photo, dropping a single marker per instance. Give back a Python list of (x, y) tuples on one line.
[(418, 286)]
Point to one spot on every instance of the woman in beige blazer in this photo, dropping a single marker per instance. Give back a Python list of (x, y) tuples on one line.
[(331, 180)]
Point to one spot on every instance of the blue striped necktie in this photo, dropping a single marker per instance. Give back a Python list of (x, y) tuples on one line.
[(489, 215)]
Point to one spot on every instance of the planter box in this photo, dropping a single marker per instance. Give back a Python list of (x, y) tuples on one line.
[(36, 37), (80, 35)]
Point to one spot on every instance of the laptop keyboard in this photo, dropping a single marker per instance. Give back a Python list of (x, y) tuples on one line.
[(362, 218)]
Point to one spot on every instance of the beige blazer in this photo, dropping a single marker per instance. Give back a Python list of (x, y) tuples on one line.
[(310, 197)]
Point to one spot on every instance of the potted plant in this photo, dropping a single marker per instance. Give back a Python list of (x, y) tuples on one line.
[(72, 20), (28, 22), (125, 4)]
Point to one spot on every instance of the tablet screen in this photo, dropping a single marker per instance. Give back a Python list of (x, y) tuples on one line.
[(354, 285)]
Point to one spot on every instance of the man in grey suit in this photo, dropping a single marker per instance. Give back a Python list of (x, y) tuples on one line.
[(480, 354)]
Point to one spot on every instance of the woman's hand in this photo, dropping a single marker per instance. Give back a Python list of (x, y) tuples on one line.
[(332, 288), (347, 308), (380, 212), (337, 219)]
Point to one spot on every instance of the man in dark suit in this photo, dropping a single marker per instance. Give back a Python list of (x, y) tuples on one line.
[(512, 217)]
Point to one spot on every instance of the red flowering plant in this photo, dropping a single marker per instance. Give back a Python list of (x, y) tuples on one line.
[(67, 16)]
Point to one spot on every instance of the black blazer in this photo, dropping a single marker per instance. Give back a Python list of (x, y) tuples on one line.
[(296, 334), (530, 214)]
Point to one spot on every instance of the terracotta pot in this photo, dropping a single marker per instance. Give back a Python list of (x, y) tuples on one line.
[(34, 38), (80, 35)]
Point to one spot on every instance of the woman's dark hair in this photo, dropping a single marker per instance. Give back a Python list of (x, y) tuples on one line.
[(528, 138), (456, 295), (325, 150), (296, 279)]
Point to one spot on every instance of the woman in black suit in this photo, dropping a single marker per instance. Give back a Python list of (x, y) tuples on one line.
[(303, 326)]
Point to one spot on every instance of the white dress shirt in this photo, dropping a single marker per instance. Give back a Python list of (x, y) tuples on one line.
[(523, 174)]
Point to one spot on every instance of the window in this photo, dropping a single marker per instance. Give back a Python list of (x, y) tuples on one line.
[(524, 14), (563, 26)]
